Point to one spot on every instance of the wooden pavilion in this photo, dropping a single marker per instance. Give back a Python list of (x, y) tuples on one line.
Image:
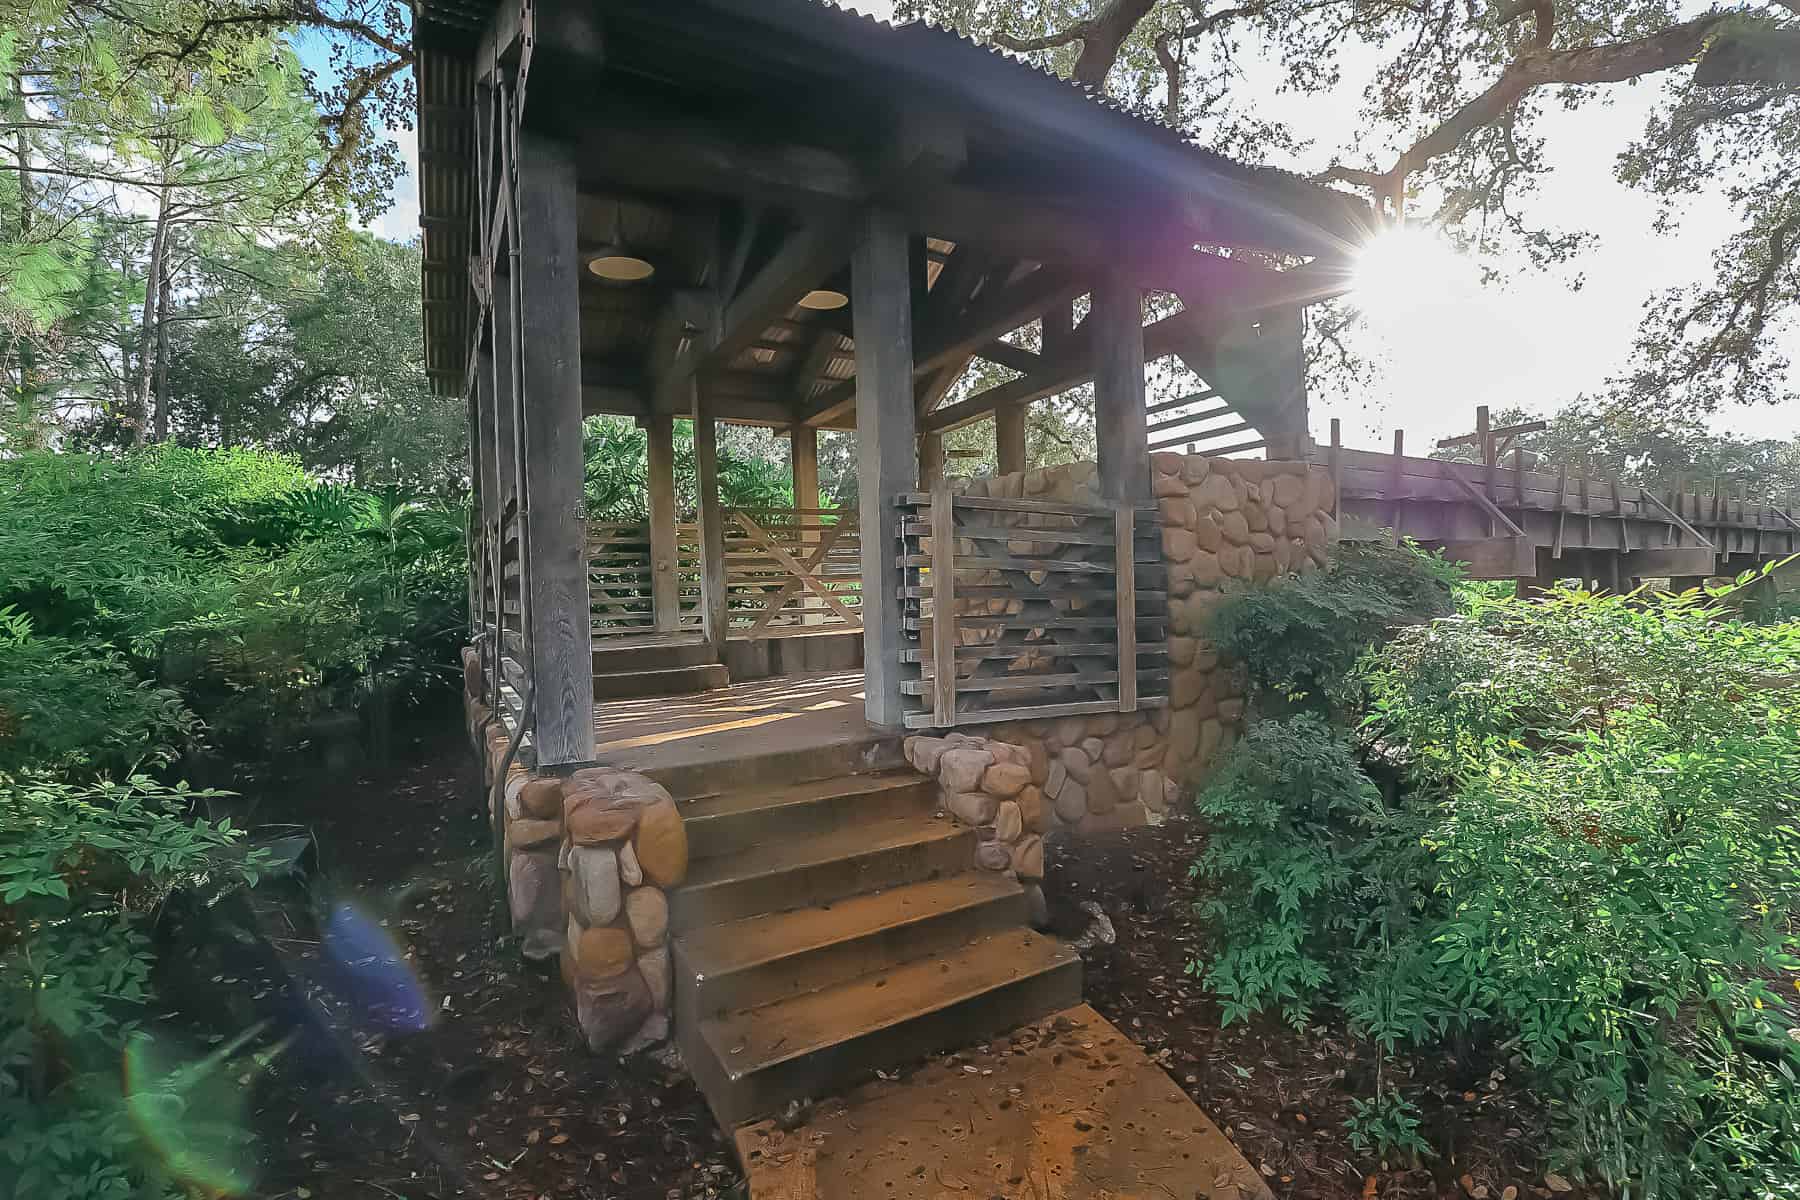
[(779, 213)]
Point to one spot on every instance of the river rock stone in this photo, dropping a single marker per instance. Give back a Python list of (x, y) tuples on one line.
[(1077, 763), (993, 856), (654, 966), (594, 884), (1005, 779), (1037, 760), (534, 895), (661, 844), (602, 952), (527, 834), (590, 823), (960, 769), (1028, 857), (653, 1032), (647, 912), (630, 873), (972, 808), (924, 752), (1031, 808), (1102, 796), (610, 1009), (1071, 803), (1009, 821), (542, 799)]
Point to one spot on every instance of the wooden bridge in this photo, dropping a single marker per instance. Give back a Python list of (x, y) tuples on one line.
[(1549, 523)]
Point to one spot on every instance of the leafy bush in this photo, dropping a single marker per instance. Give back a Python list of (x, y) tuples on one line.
[(65, 707), (81, 868), (1300, 635), (264, 599), (1595, 858)]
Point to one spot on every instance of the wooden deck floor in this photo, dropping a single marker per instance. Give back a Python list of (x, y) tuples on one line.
[(744, 720)]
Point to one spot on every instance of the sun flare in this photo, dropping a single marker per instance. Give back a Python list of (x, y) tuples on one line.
[(1408, 273)]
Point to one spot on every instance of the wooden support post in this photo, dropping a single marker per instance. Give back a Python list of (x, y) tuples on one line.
[(1009, 438), (1120, 424), (1337, 469), (715, 616), (931, 460), (1125, 602), (1560, 537), (803, 459), (1399, 497), (1485, 440), (886, 433), (561, 634), (665, 542), (1518, 457)]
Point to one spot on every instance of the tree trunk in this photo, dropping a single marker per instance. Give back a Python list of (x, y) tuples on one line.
[(140, 406), (160, 424)]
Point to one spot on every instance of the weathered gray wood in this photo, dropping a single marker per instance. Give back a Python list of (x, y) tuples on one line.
[(1125, 605), (931, 460), (1698, 561), (886, 432), (1260, 367), (1009, 438), (548, 269), (943, 606), (714, 615), (1121, 435), (803, 459), (1512, 557), (665, 580)]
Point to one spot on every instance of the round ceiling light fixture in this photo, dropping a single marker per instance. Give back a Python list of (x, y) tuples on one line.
[(823, 300), (619, 267)]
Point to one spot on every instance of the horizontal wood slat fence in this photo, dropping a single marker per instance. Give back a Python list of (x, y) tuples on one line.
[(1045, 609), (621, 585)]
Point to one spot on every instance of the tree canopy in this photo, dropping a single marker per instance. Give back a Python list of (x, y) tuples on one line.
[(1451, 127)]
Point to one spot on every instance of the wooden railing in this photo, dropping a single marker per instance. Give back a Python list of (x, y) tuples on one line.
[(497, 565), (1044, 609), (622, 586), (792, 570)]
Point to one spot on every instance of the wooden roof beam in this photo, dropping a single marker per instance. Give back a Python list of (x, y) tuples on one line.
[(1071, 368)]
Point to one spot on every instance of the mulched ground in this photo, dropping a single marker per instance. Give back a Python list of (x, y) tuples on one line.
[(497, 1099), (1281, 1096)]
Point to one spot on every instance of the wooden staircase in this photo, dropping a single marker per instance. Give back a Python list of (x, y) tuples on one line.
[(632, 668), (832, 923)]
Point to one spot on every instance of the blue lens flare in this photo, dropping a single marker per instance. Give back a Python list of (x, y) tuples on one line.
[(372, 972)]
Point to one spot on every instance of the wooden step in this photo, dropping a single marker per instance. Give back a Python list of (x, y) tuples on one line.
[(737, 820), (819, 868), (870, 754), (650, 656), (763, 959), (753, 1061), (667, 681)]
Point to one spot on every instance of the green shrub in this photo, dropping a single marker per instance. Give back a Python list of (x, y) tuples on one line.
[(1594, 859), (263, 598), (1300, 635), (1304, 864), (67, 708), (82, 866)]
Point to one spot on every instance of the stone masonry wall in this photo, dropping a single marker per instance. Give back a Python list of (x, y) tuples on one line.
[(589, 861), (1225, 522)]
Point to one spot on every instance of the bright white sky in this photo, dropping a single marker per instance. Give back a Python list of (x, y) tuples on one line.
[(1539, 340)]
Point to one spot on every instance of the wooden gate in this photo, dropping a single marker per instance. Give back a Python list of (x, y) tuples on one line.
[(1044, 609), (792, 570)]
